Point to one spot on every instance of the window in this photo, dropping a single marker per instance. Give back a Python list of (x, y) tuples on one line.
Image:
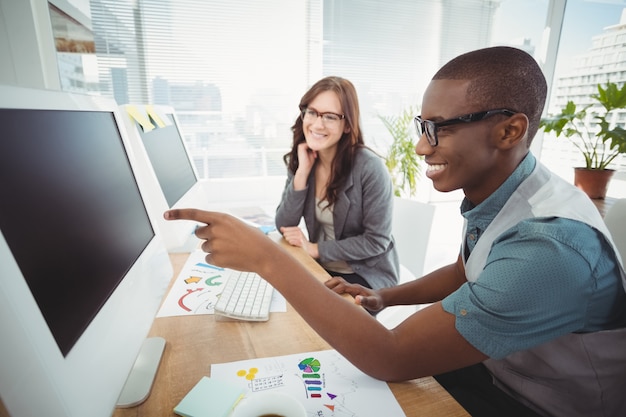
[(588, 55), (235, 70)]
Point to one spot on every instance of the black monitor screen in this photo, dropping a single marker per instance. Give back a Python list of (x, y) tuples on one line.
[(71, 211), (167, 154)]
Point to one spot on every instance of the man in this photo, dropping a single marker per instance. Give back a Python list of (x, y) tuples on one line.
[(530, 319)]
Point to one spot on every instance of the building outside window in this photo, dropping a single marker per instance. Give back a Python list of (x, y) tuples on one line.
[(592, 51)]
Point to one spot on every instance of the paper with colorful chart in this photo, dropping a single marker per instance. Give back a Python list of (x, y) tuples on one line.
[(197, 287), (325, 382)]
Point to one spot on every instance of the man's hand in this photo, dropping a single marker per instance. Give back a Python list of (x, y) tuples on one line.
[(228, 241), (364, 297)]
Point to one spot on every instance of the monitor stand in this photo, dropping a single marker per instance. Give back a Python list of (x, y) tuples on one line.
[(139, 382)]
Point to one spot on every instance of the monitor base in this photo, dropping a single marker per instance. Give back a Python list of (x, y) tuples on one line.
[(141, 377)]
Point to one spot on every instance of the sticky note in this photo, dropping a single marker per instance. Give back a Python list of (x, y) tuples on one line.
[(210, 397), (144, 121), (155, 116)]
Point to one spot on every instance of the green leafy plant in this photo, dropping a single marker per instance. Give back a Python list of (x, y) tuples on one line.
[(401, 160), (588, 129)]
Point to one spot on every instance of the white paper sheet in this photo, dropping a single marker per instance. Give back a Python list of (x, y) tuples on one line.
[(325, 382), (196, 288)]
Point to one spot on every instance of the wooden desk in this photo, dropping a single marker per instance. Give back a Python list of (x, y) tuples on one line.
[(194, 343)]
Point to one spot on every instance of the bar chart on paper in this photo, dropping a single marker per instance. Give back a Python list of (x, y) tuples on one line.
[(324, 382)]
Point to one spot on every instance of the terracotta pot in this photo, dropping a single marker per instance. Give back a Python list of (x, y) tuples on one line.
[(594, 182)]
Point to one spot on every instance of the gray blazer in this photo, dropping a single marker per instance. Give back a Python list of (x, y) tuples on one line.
[(361, 216)]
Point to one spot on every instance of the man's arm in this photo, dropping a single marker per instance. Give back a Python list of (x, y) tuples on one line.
[(428, 289), (427, 343)]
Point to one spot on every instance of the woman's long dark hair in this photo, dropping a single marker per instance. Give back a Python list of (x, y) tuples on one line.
[(348, 143)]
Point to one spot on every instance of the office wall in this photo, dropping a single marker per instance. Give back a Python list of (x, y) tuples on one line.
[(264, 192), (27, 45)]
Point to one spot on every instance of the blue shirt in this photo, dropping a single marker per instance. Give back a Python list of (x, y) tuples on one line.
[(544, 277)]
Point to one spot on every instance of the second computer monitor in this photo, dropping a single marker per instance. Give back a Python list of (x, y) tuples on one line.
[(166, 169)]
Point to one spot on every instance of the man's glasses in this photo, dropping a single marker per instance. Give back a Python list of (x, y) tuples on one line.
[(328, 118), (430, 128)]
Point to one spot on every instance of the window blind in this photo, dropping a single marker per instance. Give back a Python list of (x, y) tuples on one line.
[(234, 70)]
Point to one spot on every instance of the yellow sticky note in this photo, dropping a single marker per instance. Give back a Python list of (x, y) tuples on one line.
[(154, 115), (144, 121), (210, 397)]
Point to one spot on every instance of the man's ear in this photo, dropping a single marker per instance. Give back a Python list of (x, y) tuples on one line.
[(512, 131)]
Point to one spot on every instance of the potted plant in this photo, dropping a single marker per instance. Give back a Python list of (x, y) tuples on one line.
[(401, 160), (598, 138)]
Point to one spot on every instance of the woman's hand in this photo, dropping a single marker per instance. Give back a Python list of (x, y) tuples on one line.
[(295, 237), (306, 158), (363, 296)]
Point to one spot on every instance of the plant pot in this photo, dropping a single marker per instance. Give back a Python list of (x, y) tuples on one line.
[(594, 182)]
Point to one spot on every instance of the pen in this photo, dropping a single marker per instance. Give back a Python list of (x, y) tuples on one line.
[(232, 410), (209, 266)]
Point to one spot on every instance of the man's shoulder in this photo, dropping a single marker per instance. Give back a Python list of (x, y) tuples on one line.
[(550, 233), (551, 227), (554, 225)]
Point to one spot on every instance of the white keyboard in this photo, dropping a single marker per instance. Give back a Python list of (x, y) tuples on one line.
[(246, 296)]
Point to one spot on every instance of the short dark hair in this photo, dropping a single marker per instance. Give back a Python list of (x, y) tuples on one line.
[(501, 77)]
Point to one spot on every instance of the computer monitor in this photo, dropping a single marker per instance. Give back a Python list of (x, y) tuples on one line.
[(82, 271), (164, 163)]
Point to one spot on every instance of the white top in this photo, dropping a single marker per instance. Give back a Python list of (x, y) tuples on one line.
[(324, 215)]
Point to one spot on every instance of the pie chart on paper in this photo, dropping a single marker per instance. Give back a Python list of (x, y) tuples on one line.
[(309, 365)]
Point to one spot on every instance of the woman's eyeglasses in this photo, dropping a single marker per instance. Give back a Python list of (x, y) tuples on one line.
[(328, 119)]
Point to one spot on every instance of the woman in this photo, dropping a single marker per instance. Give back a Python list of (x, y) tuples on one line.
[(341, 188)]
